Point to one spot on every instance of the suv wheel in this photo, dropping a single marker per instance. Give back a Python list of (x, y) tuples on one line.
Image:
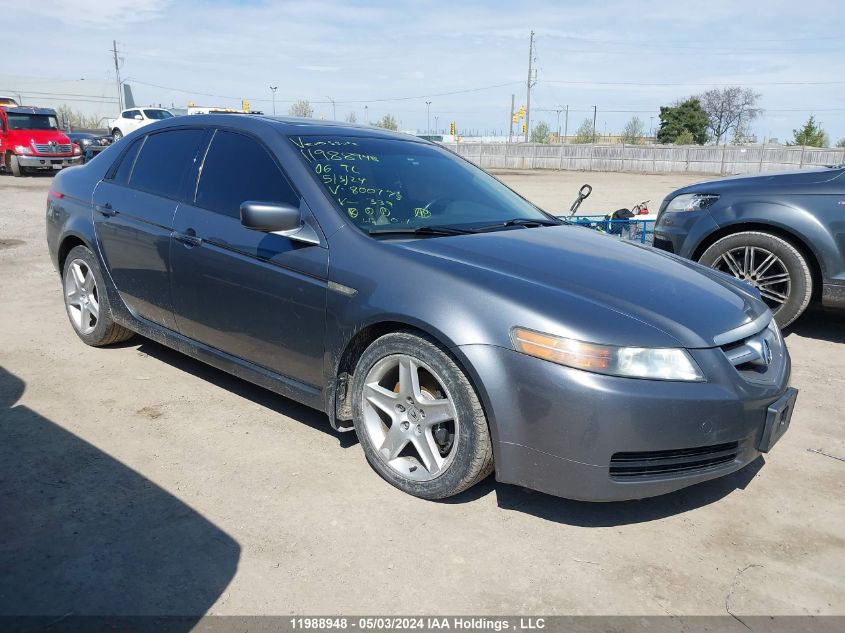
[(769, 263), (418, 418), (87, 302), (116, 135)]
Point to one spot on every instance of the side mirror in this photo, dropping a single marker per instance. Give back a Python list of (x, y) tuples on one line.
[(275, 217), (138, 117)]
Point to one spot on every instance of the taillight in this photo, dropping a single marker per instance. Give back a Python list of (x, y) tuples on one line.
[(57, 194)]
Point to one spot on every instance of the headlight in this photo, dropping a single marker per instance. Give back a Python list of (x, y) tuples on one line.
[(76, 150), (630, 362), (22, 149), (692, 202), (85, 141)]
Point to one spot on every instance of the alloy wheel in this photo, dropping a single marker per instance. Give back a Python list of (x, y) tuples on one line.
[(410, 417), (762, 269), (81, 297)]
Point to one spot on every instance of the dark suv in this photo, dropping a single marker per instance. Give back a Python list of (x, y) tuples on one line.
[(782, 233)]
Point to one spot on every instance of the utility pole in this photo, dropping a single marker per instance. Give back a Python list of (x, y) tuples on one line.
[(566, 124), (117, 76), (594, 124), (531, 81), (334, 109), (428, 118), (510, 129), (273, 89), (558, 111)]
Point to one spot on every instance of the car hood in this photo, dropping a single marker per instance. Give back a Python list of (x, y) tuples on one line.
[(567, 265), (781, 180)]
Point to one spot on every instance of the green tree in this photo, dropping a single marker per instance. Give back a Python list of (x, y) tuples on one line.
[(541, 133), (683, 116), (811, 133), (301, 108), (585, 132), (387, 122), (685, 138), (634, 132)]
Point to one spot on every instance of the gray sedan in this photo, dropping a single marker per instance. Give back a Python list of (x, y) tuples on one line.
[(417, 301)]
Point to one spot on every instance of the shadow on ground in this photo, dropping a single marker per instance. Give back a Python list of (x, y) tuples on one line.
[(281, 405), (820, 324), (509, 497), (82, 534)]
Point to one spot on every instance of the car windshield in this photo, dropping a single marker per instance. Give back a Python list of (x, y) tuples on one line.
[(384, 182), (23, 121), (158, 114)]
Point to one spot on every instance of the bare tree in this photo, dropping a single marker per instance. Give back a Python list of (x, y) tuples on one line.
[(728, 109), (301, 107), (351, 118), (634, 132)]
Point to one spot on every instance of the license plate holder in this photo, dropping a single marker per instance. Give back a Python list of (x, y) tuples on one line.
[(59, 166), (778, 417)]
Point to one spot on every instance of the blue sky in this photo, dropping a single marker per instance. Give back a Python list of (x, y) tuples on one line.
[(609, 54)]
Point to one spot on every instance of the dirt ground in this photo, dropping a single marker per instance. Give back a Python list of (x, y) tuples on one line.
[(134, 480)]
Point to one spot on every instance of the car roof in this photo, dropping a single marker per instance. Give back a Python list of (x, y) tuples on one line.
[(288, 125)]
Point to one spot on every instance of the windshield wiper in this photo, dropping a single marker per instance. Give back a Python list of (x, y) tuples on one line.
[(526, 222), (418, 230)]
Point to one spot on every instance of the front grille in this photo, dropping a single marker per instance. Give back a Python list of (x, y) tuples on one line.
[(686, 461), (46, 148)]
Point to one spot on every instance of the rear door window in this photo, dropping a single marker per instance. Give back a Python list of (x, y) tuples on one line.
[(164, 161), (237, 168)]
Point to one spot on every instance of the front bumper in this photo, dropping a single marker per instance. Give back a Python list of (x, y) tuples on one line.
[(563, 431), (48, 162)]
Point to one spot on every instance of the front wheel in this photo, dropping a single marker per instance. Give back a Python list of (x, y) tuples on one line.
[(116, 135), (418, 418), (769, 263), (15, 166)]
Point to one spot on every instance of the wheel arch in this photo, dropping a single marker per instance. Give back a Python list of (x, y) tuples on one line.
[(340, 407), (792, 237), (68, 243)]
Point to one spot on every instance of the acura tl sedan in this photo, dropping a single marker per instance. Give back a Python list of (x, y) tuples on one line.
[(456, 328)]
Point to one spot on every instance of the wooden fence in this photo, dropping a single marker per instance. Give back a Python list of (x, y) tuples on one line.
[(707, 159)]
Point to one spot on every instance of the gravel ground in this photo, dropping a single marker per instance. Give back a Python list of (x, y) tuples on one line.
[(134, 480)]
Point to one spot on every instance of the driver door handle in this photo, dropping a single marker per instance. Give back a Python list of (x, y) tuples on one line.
[(189, 239), (105, 209)]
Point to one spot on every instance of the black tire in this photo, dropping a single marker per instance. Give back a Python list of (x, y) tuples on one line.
[(105, 331), (15, 166), (798, 292), (473, 459), (116, 135)]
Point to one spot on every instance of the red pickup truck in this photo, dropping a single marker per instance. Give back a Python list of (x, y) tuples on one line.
[(30, 138)]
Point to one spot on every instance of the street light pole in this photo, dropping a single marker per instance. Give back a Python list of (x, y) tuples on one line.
[(436, 125), (427, 118), (367, 113), (273, 89), (334, 110)]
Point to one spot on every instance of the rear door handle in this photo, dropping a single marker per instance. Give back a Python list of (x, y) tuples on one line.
[(105, 209), (188, 239)]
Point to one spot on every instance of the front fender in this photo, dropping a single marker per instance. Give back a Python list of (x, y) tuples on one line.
[(791, 218)]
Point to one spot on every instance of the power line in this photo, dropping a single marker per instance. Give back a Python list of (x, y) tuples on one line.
[(685, 83)]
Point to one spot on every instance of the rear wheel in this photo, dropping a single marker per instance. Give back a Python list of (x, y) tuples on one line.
[(769, 263), (116, 134), (418, 418), (86, 300)]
